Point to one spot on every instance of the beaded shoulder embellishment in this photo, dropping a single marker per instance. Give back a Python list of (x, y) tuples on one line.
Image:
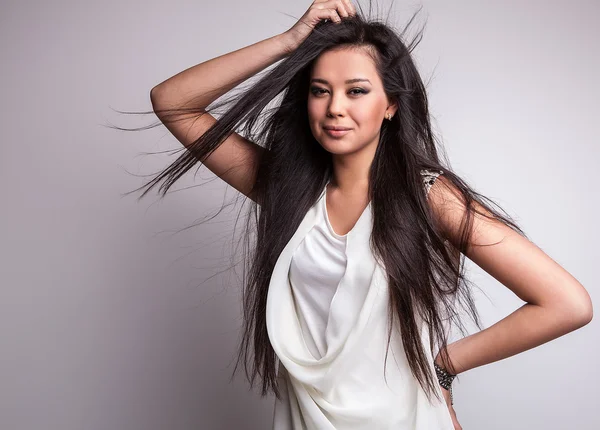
[(429, 177)]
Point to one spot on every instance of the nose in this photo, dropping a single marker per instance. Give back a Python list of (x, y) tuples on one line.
[(336, 105)]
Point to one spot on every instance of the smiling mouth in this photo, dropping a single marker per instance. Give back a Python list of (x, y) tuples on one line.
[(336, 133)]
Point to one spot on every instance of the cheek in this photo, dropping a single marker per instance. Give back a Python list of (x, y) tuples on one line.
[(314, 111), (312, 119), (367, 115)]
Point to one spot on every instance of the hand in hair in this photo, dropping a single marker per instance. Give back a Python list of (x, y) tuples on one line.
[(319, 10)]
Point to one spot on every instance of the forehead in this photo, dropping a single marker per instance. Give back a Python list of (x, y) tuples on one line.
[(341, 64)]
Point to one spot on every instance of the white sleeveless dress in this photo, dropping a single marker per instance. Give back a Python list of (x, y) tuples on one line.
[(327, 321)]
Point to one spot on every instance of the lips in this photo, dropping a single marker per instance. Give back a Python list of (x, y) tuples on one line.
[(336, 133), (335, 127)]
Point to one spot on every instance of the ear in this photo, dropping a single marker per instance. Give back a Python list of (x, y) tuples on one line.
[(392, 108)]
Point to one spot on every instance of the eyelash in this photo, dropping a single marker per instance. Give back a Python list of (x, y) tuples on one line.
[(316, 91)]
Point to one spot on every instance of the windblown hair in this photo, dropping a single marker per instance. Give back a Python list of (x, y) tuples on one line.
[(425, 272)]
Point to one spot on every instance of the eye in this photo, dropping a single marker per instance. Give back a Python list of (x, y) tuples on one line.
[(316, 90), (354, 91), (359, 91)]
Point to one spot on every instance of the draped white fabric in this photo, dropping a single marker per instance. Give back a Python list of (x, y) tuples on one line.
[(317, 266), (345, 388)]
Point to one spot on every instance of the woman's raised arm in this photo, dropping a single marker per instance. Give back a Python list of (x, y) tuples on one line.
[(235, 160)]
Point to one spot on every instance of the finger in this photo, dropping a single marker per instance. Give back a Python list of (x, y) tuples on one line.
[(350, 7), (338, 6), (457, 425), (325, 12), (342, 8), (333, 15)]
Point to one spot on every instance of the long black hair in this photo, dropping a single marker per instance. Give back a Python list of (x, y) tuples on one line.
[(425, 272)]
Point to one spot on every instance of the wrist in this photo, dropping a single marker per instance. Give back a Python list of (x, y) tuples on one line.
[(445, 380), (289, 42), (443, 360), (445, 372)]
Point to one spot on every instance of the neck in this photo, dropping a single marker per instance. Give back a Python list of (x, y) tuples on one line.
[(351, 171)]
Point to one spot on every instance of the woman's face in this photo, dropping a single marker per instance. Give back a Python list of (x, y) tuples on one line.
[(346, 91)]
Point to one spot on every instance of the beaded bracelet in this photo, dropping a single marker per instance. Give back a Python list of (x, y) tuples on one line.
[(445, 379)]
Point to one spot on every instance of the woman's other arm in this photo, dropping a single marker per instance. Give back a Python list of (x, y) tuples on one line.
[(556, 303)]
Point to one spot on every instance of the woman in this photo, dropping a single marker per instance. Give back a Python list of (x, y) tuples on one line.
[(356, 268)]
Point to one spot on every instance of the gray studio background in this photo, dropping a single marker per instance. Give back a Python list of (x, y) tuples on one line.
[(110, 320)]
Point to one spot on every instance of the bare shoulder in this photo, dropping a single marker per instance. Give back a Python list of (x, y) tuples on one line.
[(449, 207)]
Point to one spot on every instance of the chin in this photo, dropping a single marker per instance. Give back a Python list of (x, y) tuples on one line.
[(339, 147)]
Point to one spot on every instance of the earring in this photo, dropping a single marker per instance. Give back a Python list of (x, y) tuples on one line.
[(389, 116)]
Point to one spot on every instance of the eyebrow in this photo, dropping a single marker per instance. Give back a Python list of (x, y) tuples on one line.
[(349, 81)]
